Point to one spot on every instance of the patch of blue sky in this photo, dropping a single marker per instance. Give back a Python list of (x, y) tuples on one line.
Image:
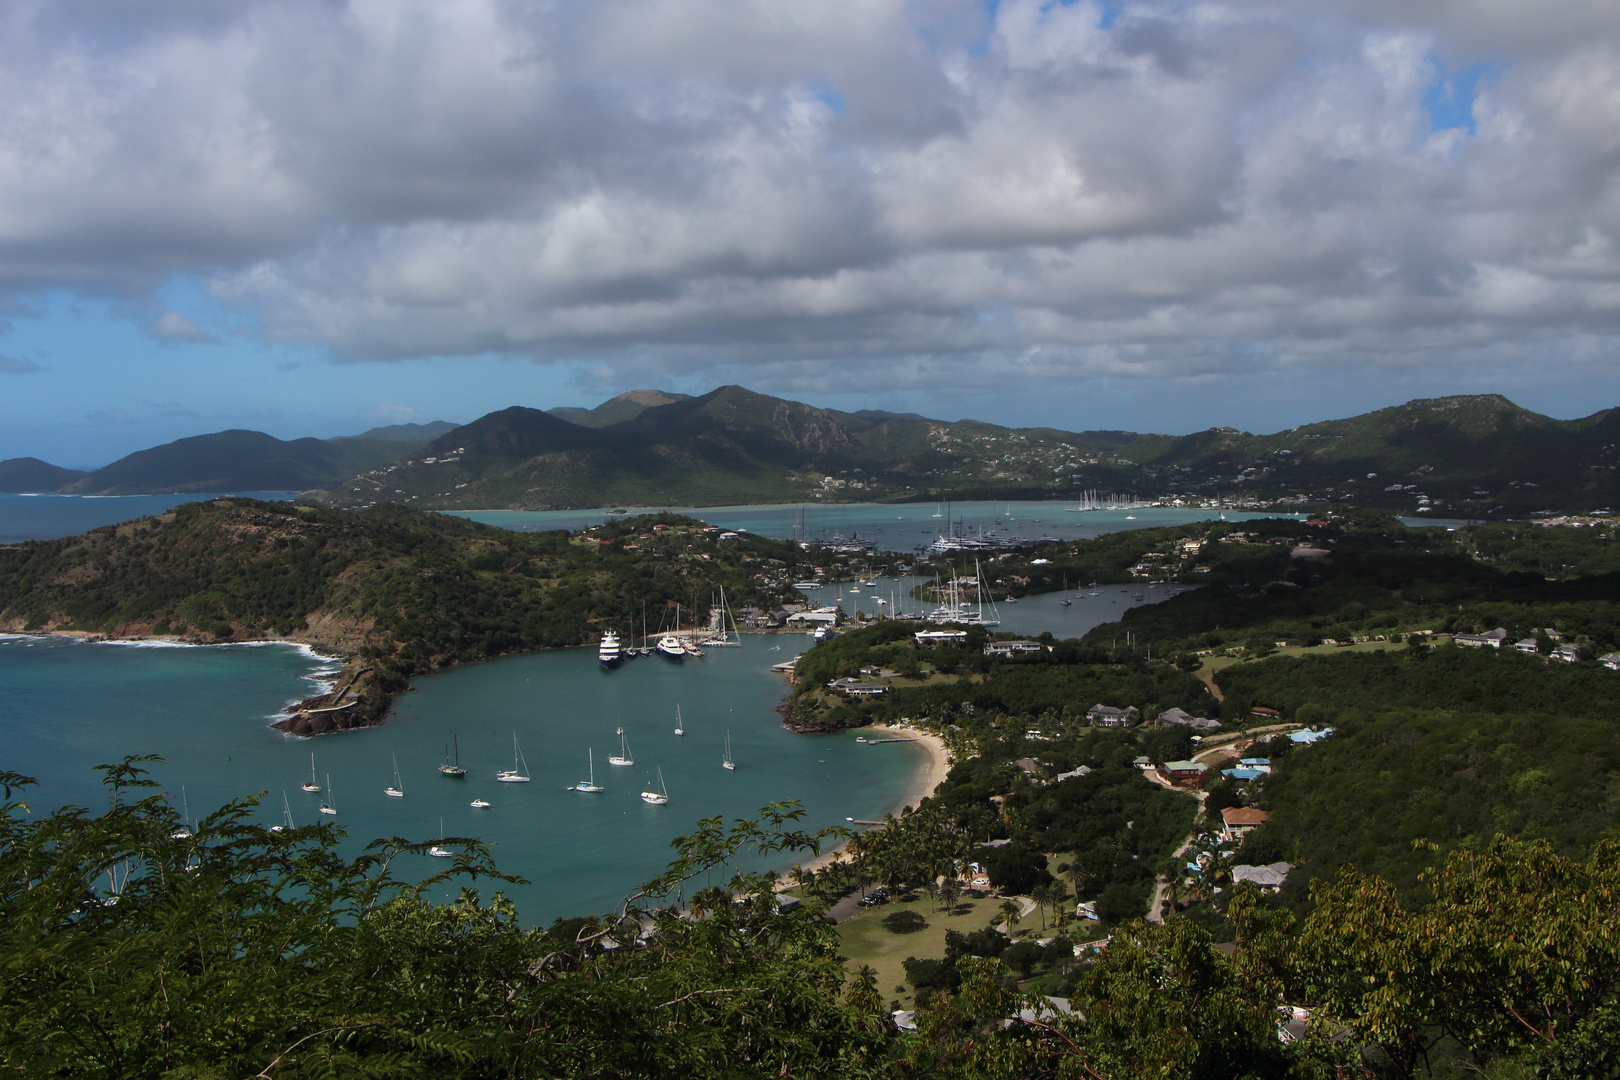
[(99, 383), (829, 97), (1449, 101), (1108, 13)]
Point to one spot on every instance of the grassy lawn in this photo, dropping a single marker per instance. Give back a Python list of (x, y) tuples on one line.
[(865, 941)]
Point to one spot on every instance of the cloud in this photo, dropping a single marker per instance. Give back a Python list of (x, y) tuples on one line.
[(391, 413), (171, 326), (111, 418), (16, 365), (941, 195)]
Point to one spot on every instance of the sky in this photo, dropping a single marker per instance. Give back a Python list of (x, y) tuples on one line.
[(309, 217)]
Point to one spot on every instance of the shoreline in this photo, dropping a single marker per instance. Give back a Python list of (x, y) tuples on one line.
[(929, 772)]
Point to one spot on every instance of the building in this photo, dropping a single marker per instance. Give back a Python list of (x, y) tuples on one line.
[(1012, 648), (1610, 661), (1489, 639), (1185, 773), (1269, 877), (934, 638), (1106, 716), (1241, 820), (1182, 718), (1528, 645), (855, 688)]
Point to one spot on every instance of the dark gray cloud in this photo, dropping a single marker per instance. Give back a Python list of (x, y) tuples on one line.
[(912, 194), (17, 365)]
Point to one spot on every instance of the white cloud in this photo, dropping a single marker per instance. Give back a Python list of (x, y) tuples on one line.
[(905, 194), (172, 326)]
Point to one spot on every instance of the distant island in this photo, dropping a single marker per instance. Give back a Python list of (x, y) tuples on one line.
[(1463, 457)]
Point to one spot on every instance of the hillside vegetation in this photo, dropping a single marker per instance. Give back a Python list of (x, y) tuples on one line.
[(396, 591)]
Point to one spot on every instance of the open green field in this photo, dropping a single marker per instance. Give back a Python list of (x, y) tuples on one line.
[(867, 942)]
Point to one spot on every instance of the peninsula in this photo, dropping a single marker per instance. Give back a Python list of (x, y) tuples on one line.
[(394, 592)]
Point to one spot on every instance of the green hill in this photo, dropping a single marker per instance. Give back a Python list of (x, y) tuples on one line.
[(1456, 456), (33, 475)]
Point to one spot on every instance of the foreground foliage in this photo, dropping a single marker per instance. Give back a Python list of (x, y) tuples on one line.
[(130, 949)]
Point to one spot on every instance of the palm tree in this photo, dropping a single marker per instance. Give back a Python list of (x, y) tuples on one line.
[(1012, 911)]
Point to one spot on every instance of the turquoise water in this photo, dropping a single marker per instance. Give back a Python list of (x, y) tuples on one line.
[(66, 706)]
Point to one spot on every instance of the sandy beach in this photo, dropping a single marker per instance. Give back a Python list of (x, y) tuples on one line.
[(930, 771)]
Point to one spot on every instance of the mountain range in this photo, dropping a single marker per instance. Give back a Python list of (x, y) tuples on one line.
[(1455, 456)]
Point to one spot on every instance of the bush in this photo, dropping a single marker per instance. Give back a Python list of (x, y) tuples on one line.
[(904, 922)]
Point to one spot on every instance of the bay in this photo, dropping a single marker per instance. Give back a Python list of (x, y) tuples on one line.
[(67, 705)]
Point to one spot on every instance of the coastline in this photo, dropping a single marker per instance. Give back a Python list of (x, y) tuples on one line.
[(930, 771)]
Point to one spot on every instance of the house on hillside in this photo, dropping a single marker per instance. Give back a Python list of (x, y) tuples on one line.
[(1182, 718), (1489, 639), (1241, 820), (1269, 878), (1185, 773), (855, 688), (1012, 648), (1610, 661), (1106, 716)]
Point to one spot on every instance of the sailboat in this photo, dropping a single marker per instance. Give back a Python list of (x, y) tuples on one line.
[(678, 729), (455, 771), (589, 786), (310, 785), (519, 772), (438, 852), (396, 790), (659, 797), (184, 831), (329, 804), (726, 762), (286, 816), (623, 756)]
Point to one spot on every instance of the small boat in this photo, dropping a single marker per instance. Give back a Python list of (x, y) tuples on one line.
[(608, 652), (286, 816), (396, 790), (659, 797), (1066, 601), (726, 762), (589, 786), (329, 804), (678, 729), (671, 647), (519, 772), (455, 772), (184, 831), (438, 852), (623, 756), (479, 804), (310, 785)]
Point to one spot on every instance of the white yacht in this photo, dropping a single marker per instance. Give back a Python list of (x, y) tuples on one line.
[(659, 797), (329, 804), (671, 647), (623, 756), (589, 786), (519, 772), (609, 652)]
